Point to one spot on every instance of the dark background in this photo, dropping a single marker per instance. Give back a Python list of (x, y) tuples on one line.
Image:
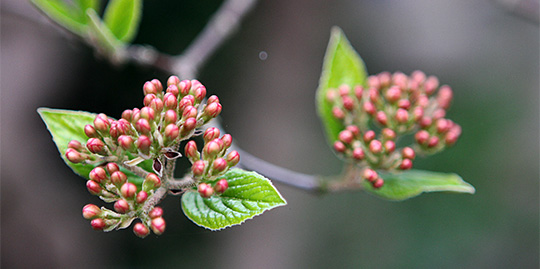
[(488, 55)]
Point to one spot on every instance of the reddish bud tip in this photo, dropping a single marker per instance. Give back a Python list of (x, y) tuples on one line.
[(205, 190), (378, 183), (173, 89), (348, 103), (344, 89), (198, 168), (93, 187), (74, 156), (404, 103), (170, 116), (406, 164), (338, 113), (227, 140), (171, 132), (141, 197), (331, 95), (148, 113), (354, 130), (451, 137), (389, 146), (121, 206), (339, 146), (140, 230), (358, 91), (74, 144), (148, 99), (90, 131), (212, 148), (128, 190), (191, 150), (408, 153), (221, 186), (151, 182), (91, 211), (219, 165), (375, 146), (233, 158), (370, 174), (156, 104), (127, 114), (358, 154), (212, 99), (158, 225), (118, 178), (393, 94), (149, 88), (381, 118), (444, 97), (189, 112), (173, 80), (200, 93), (170, 101), (442, 125), (98, 224), (369, 135), (388, 134), (373, 95), (213, 109), (143, 126), (156, 212), (402, 116), (189, 125), (418, 113), (184, 86), (143, 143), (101, 123), (98, 174), (433, 142), (421, 137), (157, 84), (95, 145), (369, 107), (211, 134), (346, 136), (126, 142)]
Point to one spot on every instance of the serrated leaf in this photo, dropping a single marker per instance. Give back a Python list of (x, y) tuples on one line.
[(123, 17), (342, 65), (67, 15), (408, 184), (249, 194), (67, 125)]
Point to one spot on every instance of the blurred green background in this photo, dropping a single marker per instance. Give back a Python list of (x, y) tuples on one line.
[(489, 55)]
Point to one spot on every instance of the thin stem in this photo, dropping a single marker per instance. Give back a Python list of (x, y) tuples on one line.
[(135, 170), (158, 195)]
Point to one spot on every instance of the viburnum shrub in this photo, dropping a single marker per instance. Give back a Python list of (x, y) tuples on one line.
[(376, 124)]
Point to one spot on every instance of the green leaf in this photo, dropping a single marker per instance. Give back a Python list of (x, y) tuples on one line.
[(86, 4), (249, 194), (408, 184), (67, 15), (123, 17), (103, 39), (342, 65), (67, 125)]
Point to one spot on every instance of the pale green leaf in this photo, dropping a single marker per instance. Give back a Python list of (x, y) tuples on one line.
[(408, 184), (123, 17), (103, 39), (67, 125), (86, 4), (249, 194), (342, 65), (67, 15)]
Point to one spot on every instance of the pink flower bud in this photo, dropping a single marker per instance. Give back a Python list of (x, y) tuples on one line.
[(369, 107), (126, 142), (121, 206), (450, 138), (158, 225), (442, 125), (385, 78), (422, 101), (444, 97), (173, 80), (346, 136), (156, 212), (373, 81), (151, 182), (358, 91), (368, 136), (148, 99), (148, 113), (370, 175), (227, 140), (149, 88), (189, 112), (90, 131), (113, 131), (358, 154), (95, 145), (74, 156), (421, 137), (136, 115), (101, 123), (171, 132), (354, 130), (406, 164), (400, 80), (211, 134), (141, 197), (331, 95), (344, 90), (389, 146), (439, 113), (158, 85), (221, 186), (388, 134), (170, 116), (338, 113), (375, 146), (200, 93), (212, 99), (140, 230), (402, 116), (348, 103), (98, 174), (339, 146), (156, 104), (418, 113), (191, 150), (143, 126), (393, 94), (425, 122), (127, 114), (112, 167), (213, 109), (93, 187), (404, 103), (433, 142), (118, 178), (198, 168), (378, 183), (381, 118), (184, 86), (431, 85), (205, 190), (233, 158), (219, 165), (408, 153), (98, 224), (74, 144), (373, 95), (128, 190), (170, 101), (418, 76), (123, 126), (91, 211), (144, 143), (188, 126), (173, 89)]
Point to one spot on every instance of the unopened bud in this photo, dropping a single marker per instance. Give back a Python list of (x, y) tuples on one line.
[(112, 167), (95, 145), (358, 154), (171, 132), (188, 126), (219, 165), (370, 175), (346, 136), (338, 113), (213, 109), (233, 158), (143, 126), (173, 89), (205, 190), (344, 90), (211, 134), (227, 140), (339, 147), (127, 114), (91, 211), (173, 80), (156, 212), (170, 116), (184, 86), (93, 187), (444, 97), (402, 116), (221, 186), (369, 135), (408, 153), (191, 151), (433, 142), (418, 113), (198, 168), (358, 91), (353, 129), (90, 131), (151, 182), (156, 104), (388, 134), (212, 99), (211, 149), (375, 146), (101, 123), (200, 93), (450, 138), (348, 103), (74, 156), (128, 190), (158, 225), (404, 103), (389, 146), (123, 126), (98, 224), (189, 112), (121, 206), (378, 183), (393, 94), (141, 197), (148, 113), (369, 107), (421, 137), (149, 88), (148, 99), (373, 95), (143, 144), (381, 118), (126, 142), (140, 230), (442, 125), (406, 164), (118, 178), (74, 144), (170, 101), (98, 174)]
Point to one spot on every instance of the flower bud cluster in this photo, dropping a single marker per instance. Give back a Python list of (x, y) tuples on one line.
[(391, 106), (212, 162)]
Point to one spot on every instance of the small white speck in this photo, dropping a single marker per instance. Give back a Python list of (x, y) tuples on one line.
[(263, 55)]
